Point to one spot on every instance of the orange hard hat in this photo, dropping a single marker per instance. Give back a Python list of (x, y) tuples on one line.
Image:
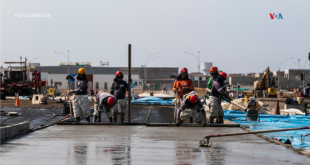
[(213, 70), (81, 71)]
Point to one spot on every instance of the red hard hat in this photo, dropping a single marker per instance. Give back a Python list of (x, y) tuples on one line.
[(213, 70), (193, 99), (184, 70), (119, 73), (111, 101), (223, 74)]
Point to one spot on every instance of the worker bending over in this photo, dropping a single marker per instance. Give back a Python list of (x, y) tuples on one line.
[(80, 98), (217, 93), (252, 108), (104, 102), (191, 102), (118, 89), (183, 85)]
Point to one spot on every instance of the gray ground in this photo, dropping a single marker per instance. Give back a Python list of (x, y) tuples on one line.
[(142, 145), (102, 144)]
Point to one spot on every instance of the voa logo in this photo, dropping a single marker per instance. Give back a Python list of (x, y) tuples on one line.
[(273, 16)]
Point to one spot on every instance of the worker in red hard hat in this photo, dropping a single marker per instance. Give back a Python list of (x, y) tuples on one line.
[(218, 90), (191, 106), (104, 102), (183, 85), (118, 89)]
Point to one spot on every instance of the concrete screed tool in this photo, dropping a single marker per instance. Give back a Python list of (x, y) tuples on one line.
[(205, 142)]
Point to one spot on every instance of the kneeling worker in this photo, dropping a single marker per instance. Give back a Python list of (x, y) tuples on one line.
[(104, 101), (80, 98), (191, 102), (118, 89)]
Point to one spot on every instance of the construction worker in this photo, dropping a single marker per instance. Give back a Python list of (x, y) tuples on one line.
[(118, 89), (191, 102), (104, 102), (80, 98), (252, 108), (217, 92), (164, 91), (183, 85)]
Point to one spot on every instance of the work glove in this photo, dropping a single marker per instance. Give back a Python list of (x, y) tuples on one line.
[(185, 88), (176, 89), (68, 76)]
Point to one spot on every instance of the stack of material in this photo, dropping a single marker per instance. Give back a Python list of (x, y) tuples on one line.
[(241, 101), (292, 111)]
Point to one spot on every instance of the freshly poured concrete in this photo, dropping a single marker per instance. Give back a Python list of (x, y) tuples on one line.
[(65, 144)]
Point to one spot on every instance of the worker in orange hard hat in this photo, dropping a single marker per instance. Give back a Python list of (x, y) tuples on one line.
[(80, 98)]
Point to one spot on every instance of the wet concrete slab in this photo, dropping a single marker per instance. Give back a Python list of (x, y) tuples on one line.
[(98, 144)]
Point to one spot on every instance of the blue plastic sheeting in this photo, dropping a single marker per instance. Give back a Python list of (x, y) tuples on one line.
[(270, 122), (151, 101)]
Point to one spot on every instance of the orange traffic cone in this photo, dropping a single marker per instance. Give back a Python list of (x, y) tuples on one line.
[(277, 109), (65, 98), (53, 98), (17, 100), (43, 101), (68, 97)]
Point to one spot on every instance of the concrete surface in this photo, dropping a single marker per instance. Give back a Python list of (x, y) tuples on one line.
[(142, 145), (14, 130)]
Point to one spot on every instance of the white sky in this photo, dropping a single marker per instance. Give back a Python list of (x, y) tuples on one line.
[(238, 36)]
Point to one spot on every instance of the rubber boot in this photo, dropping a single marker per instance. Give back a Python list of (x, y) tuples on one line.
[(95, 118), (87, 119), (211, 120), (221, 120), (110, 119), (190, 119), (122, 121), (99, 118), (115, 119), (179, 123), (217, 120), (78, 119)]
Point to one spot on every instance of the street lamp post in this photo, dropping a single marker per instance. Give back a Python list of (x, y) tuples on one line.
[(279, 72), (68, 63), (198, 59), (145, 70), (149, 61)]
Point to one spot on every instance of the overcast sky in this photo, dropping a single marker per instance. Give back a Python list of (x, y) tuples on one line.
[(238, 36)]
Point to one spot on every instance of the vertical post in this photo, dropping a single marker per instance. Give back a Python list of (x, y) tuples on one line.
[(198, 71), (279, 80), (129, 82)]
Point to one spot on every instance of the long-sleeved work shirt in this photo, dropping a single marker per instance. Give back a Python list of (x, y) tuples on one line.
[(118, 89), (102, 98), (80, 86)]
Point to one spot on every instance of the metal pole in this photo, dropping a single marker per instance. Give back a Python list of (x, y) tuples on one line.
[(198, 71), (129, 82)]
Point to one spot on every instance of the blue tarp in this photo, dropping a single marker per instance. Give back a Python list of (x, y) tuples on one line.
[(151, 101), (269, 122)]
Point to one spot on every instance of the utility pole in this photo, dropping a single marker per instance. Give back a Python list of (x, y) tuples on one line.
[(298, 63), (309, 67), (129, 82)]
